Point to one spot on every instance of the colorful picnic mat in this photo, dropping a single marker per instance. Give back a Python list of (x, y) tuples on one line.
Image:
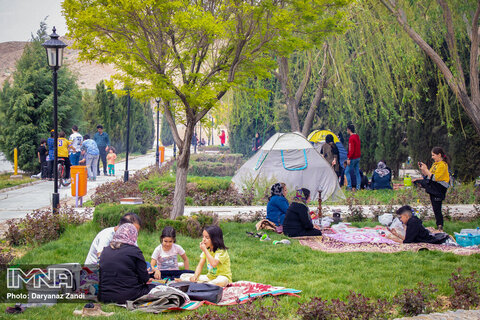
[(241, 292), (371, 240)]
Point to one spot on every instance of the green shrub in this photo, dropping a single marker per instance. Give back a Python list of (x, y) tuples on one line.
[(109, 214), (210, 185), (190, 226), (223, 149), (211, 169)]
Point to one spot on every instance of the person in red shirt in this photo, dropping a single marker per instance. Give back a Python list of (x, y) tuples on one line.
[(353, 157), (222, 137)]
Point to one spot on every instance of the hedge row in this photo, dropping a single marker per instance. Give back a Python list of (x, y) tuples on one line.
[(109, 214), (154, 217)]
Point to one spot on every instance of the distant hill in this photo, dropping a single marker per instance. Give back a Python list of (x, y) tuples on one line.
[(88, 74)]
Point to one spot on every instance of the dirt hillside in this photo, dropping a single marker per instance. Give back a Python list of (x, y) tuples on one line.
[(88, 74)]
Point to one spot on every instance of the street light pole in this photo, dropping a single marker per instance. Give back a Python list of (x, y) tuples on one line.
[(157, 154), (54, 48), (125, 176)]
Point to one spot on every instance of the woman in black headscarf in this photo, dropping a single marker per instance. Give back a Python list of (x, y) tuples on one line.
[(297, 221)]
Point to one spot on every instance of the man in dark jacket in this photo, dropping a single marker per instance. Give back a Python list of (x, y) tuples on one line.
[(415, 231)]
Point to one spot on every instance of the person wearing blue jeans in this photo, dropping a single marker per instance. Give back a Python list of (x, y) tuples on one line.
[(353, 157), (354, 167)]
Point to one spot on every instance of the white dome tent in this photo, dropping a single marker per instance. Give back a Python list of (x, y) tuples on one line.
[(291, 159)]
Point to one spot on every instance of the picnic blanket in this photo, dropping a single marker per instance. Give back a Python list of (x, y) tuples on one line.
[(331, 245), (348, 234), (241, 292)]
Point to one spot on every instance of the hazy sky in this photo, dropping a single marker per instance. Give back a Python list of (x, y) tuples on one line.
[(20, 18)]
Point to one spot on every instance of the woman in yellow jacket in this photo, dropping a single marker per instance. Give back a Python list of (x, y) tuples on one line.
[(436, 181)]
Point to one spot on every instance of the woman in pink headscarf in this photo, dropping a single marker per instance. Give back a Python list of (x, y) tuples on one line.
[(123, 270)]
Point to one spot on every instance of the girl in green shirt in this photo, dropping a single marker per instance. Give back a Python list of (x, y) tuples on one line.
[(215, 254)]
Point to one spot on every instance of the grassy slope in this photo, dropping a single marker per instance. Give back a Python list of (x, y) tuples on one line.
[(5, 181), (375, 275)]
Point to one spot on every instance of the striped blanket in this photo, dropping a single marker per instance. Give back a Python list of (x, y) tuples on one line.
[(241, 292)]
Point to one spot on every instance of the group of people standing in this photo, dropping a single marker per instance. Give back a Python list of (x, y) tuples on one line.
[(77, 150)]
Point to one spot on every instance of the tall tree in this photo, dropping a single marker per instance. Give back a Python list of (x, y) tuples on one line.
[(191, 53), (467, 92), (27, 105), (112, 114)]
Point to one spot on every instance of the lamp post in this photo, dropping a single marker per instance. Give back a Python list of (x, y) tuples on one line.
[(125, 175), (54, 48), (157, 154)]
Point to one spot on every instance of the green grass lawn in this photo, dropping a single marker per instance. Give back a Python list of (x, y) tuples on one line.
[(5, 181), (316, 273)]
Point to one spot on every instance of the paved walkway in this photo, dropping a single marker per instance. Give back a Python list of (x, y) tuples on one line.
[(20, 201)]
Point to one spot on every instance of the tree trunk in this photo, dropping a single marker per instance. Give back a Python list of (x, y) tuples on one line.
[(182, 171)]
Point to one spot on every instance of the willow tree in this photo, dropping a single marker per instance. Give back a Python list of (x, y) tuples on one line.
[(467, 15), (190, 53)]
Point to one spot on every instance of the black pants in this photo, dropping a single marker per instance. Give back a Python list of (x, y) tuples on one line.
[(103, 157), (302, 233), (44, 169), (50, 169), (437, 209)]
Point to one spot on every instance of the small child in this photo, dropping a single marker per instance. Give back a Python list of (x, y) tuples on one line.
[(111, 161), (214, 252), (164, 258)]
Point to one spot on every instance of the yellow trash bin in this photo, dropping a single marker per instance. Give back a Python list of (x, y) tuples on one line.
[(82, 180)]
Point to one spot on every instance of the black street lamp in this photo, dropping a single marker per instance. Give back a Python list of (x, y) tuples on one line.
[(54, 48), (157, 155), (125, 175)]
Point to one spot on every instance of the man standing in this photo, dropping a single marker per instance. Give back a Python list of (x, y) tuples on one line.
[(103, 141), (194, 142), (353, 157), (76, 139)]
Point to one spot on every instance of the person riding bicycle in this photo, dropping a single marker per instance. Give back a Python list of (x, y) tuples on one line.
[(63, 149)]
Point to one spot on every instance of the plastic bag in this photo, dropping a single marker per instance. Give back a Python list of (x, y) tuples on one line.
[(385, 219), (398, 226)]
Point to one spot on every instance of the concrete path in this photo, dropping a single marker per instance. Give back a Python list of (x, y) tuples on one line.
[(18, 202)]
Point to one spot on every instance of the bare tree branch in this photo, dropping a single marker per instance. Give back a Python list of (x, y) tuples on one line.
[(322, 83), (452, 43), (474, 83)]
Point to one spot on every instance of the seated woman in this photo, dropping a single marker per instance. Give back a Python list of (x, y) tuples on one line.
[(382, 177), (278, 204), (123, 270), (415, 231), (297, 221)]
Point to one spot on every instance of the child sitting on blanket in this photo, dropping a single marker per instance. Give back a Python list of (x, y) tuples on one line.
[(214, 252), (164, 258)]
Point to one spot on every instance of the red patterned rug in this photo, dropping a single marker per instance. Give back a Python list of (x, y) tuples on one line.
[(241, 292), (328, 244)]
